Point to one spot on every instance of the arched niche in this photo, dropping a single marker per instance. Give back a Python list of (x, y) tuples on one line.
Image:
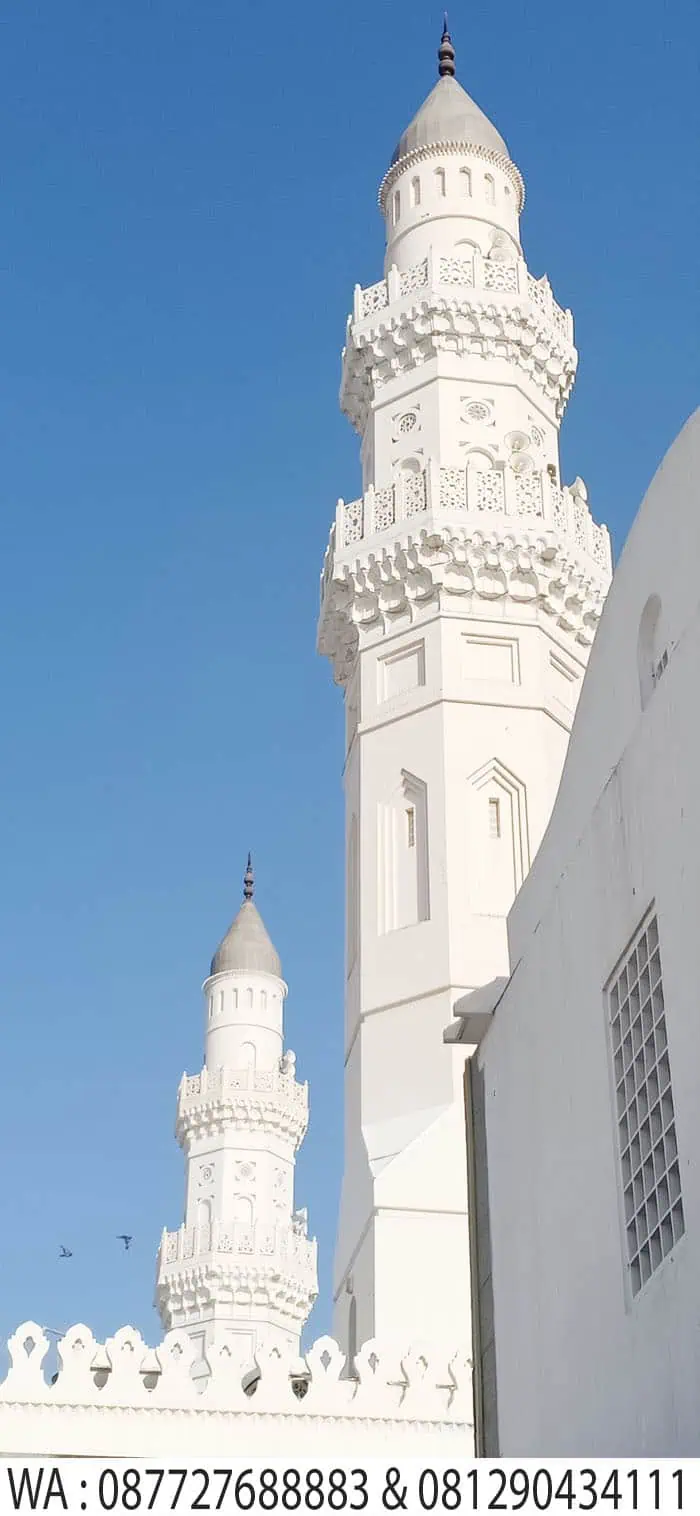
[(479, 460), (650, 652)]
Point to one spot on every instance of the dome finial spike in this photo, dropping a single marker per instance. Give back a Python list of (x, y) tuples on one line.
[(248, 880), (446, 53)]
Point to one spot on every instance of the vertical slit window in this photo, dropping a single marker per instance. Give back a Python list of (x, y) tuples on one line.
[(494, 818)]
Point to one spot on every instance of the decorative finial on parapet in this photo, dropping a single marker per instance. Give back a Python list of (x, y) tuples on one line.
[(248, 881), (446, 53)]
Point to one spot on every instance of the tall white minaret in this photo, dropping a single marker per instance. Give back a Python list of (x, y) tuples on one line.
[(241, 1269), (459, 599)]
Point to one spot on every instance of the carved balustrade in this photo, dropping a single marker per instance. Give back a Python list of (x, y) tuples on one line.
[(280, 1248), (436, 491), (246, 1098), (453, 273)]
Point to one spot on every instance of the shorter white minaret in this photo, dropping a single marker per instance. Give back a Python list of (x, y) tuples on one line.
[(241, 1269)]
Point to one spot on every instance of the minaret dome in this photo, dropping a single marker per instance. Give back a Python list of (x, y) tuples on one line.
[(449, 115), (246, 947), (450, 176)]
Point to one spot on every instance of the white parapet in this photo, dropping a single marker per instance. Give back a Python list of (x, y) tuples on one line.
[(123, 1399)]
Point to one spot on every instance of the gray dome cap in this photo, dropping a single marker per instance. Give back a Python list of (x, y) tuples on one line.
[(449, 115), (246, 948)]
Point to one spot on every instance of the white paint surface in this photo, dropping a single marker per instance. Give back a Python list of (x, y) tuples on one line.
[(582, 1365)]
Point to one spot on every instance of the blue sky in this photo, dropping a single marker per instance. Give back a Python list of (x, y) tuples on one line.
[(188, 196)]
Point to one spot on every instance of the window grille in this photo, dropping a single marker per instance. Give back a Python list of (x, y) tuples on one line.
[(648, 1150)]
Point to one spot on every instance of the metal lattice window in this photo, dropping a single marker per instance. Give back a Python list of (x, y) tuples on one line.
[(651, 1184)]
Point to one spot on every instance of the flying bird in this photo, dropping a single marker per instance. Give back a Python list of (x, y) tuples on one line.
[(64, 1252), (123, 1237)]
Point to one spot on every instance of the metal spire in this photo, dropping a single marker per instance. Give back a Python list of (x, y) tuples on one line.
[(248, 881), (446, 53)]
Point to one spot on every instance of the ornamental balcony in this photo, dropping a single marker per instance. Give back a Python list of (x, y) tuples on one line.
[(469, 307), (233, 1264), (492, 535), (243, 1099), (286, 1248), (473, 497), (473, 273)]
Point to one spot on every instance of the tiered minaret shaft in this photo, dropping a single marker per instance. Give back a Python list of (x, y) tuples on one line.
[(459, 598), (241, 1269)]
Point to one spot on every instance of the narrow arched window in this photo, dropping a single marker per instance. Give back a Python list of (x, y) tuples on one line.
[(465, 181), (397, 207), (248, 1055), (440, 181), (243, 1210), (415, 192), (490, 189)]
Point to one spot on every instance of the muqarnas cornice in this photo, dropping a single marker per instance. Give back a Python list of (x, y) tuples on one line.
[(406, 336), (436, 568)]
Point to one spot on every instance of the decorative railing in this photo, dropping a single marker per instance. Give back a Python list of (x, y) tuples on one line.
[(530, 495), (288, 1248), (269, 1099), (222, 1084), (474, 273)]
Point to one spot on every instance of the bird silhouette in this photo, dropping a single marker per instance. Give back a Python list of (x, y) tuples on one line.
[(123, 1237), (64, 1252)]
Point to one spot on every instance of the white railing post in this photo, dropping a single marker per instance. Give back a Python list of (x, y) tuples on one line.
[(368, 511), (393, 284), (432, 486), (510, 501)]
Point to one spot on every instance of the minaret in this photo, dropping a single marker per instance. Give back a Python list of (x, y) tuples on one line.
[(459, 599), (241, 1269)]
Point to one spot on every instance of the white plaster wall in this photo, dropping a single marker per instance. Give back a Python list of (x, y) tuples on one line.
[(465, 210), (243, 1010), (438, 401), (404, 1195), (582, 1367)]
